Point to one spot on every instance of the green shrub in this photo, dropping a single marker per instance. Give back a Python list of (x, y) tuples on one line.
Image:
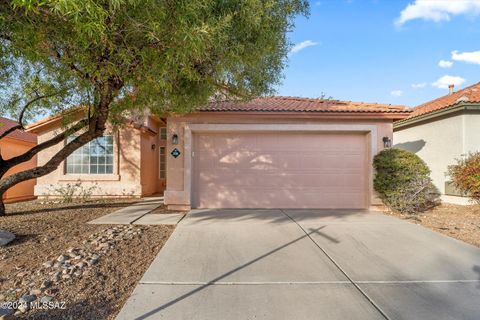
[(465, 175), (403, 181)]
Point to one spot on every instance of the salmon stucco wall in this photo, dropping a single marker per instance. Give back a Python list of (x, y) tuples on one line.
[(125, 181), (178, 193), (151, 182), (11, 148)]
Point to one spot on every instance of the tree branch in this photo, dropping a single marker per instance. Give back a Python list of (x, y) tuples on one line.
[(10, 130), (24, 109), (51, 164), (7, 164)]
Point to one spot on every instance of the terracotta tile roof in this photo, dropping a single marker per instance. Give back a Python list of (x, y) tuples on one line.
[(470, 94), (5, 124), (296, 104)]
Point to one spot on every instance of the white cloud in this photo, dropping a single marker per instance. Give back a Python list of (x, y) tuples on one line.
[(419, 85), (445, 81), (445, 64), (302, 45), (469, 57), (396, 93), (437, 10)]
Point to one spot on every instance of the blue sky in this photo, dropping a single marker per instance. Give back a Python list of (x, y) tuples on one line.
[(385, 51)]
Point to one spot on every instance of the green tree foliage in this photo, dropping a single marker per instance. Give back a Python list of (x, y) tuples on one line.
[(403, 181), (124, 56), (465, 175)]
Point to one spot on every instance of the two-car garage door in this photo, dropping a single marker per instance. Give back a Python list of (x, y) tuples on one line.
[(279, 170)]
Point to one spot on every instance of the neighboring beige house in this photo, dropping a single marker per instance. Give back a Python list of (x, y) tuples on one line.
[(269, 152), (441, 131), (15, 144)]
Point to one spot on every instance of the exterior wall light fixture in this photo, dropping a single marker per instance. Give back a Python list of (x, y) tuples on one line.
[(174, 138), (387, 142)]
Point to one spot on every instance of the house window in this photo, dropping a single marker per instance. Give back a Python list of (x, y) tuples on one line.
[(95, 157), (162, 162), (163, 133)]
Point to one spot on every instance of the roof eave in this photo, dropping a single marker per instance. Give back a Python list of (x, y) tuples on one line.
[(436, 113), (37, 126)]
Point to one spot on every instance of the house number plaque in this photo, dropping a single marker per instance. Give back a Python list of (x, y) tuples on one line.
[(175, 153)]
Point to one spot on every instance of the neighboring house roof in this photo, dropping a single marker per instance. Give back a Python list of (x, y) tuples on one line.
[(468, 95), (465, 99), (296, 104), (6, 124)]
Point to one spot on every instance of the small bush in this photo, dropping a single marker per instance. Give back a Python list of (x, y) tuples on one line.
[(465, 175), (70, 192), (403, 181)]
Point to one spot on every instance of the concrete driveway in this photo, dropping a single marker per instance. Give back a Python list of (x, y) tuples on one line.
[(307, 264)]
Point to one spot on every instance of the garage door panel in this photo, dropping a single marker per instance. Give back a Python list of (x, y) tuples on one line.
[(353, 161), (280, 199), (217, 180), (289, 170)]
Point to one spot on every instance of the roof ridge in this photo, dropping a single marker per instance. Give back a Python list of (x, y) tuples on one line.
[(298, 98), (330, 100), (447, 95)]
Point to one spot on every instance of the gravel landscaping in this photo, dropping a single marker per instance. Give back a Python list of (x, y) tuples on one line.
[(459, 222), (68, 269)]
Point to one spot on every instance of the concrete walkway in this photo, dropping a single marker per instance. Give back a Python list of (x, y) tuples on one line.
[(307, 264), (138, 213), (156, 219)]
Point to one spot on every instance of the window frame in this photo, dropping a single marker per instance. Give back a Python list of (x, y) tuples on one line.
[(163, 133), (162, 160), (109, 158)]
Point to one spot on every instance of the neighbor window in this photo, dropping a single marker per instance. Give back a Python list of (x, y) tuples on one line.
[(162, 163), (96, 157)]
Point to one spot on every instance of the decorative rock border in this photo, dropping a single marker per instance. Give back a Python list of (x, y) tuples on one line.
[(72, 264)]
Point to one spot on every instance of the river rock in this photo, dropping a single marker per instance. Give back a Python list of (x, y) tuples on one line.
[(6, 237)]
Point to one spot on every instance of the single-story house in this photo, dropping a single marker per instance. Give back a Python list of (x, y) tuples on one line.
[(441, 131), (269, 152), (14, 144)]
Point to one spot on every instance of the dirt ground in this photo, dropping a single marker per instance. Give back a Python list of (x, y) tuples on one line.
[(45, 231), (456, 221)]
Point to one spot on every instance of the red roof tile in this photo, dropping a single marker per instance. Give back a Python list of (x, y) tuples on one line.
[(296, 104), (470, 94), (6, 124)]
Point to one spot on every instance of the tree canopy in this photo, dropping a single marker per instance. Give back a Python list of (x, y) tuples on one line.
[(117, 56), (168, 56)]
